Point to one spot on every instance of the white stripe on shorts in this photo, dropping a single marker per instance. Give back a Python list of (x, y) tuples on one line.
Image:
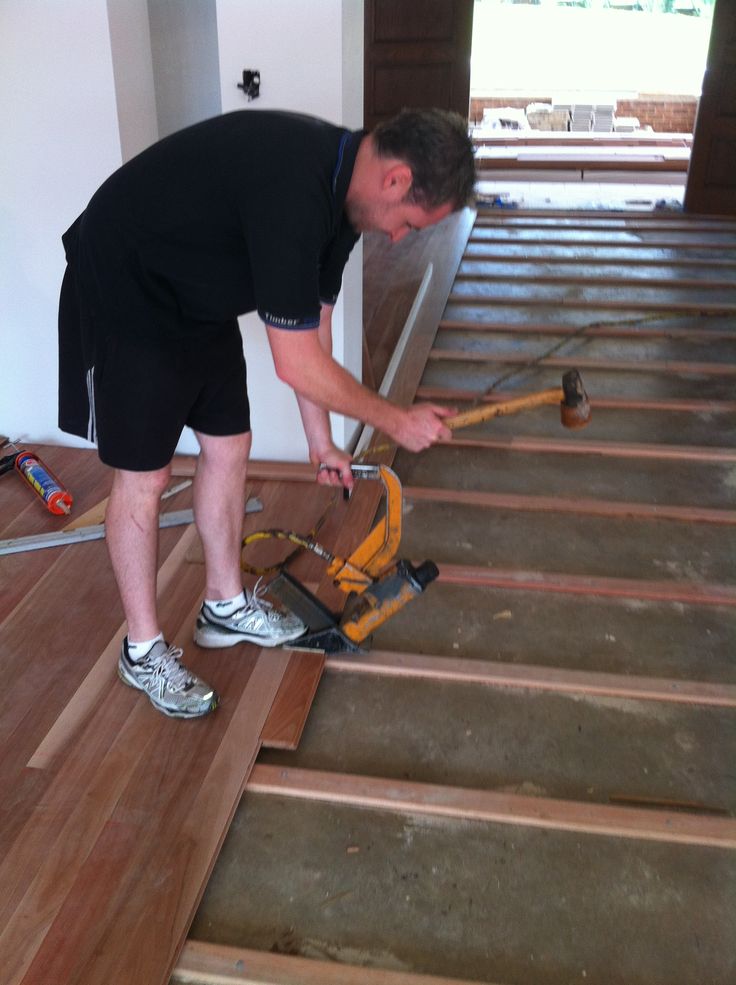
[(91, 422)]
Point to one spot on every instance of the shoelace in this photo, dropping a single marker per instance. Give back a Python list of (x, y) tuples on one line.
[(168, 667), (255, 601)]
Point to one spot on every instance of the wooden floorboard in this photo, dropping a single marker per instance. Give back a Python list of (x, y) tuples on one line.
[(111, 814)]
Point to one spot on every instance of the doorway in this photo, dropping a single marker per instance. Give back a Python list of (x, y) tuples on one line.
[(586, 103)]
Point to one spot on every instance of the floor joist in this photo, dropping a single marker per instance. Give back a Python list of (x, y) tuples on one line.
[(609, 403), (509, 276), (494, 674), (593, 304), (606, 449), (634, 244), (537, 581), (202, 963), (578, 505), (669, 367), (638, 330), (488, 806)]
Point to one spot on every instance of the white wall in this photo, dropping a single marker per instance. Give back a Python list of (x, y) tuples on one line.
[(183, 42), (78, 95), (130, 41), (60, 139), (310, 56)]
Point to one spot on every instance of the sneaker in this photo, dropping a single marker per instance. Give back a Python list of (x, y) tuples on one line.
[(257, 622), (170, 687)]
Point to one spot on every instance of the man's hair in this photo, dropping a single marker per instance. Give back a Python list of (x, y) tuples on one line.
[(436, 146)]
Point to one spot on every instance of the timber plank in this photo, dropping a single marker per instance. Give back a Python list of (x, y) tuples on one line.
[(486, 805), (665, 347), (389, 663), (546, 271), (632, 384), (111, 814), (586, 362), (694, 593), (617, 254), (288, 715), (596, 296), (681, 240), (131, 948), (576, 505), (218, 964)]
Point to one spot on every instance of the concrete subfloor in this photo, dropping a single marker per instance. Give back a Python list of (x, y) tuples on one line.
[(521, 741), (495, 903), (688, 642), (500, 902)]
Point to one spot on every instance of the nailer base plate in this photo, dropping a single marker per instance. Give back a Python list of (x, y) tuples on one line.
[(323, 628)]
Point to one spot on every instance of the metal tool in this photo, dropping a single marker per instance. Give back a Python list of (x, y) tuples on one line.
[(63, 538), (377, 586), (571, 396)]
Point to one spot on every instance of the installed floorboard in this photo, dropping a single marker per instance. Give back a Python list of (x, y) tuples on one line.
[(111, 814)]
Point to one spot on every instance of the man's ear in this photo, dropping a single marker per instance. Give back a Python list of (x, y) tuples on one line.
[(397, 180)]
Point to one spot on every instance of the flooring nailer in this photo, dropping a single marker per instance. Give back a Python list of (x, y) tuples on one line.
[(377, 585)]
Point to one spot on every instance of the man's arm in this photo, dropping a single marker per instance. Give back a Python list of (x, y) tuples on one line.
[(316, 420), (302, 362)]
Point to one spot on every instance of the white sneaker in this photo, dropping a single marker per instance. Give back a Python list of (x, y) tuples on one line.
[(170, 686), (256, 622)]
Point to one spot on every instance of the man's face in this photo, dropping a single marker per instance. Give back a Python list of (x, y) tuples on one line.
[(396, 219)]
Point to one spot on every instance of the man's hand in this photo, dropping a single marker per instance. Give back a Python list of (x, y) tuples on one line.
[(334, 468), (422, 425)]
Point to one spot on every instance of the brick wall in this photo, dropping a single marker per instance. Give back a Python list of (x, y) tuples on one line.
[(664, 114)]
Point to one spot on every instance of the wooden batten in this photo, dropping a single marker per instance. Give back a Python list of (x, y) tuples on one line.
[(491, 673), (490, 807), (201, 963)]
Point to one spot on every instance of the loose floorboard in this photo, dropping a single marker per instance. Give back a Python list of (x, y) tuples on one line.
[(528, 777)]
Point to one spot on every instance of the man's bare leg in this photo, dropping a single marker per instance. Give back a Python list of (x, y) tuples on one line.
[(131, 531), (219, 504), (154, 667)]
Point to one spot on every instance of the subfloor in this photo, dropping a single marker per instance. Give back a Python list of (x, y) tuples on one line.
[(529, 778)]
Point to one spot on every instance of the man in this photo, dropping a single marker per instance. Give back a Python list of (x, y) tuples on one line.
[(252, 210)]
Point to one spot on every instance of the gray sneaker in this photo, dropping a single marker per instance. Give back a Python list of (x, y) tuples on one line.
[(257, 622), (170, 687)]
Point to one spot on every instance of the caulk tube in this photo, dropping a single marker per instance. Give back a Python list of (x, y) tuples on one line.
[(57, 499)]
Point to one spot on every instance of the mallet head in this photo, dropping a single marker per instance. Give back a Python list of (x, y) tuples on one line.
[(574, 408)]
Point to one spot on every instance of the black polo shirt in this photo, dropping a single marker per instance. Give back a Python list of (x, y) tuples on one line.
[(239, 213)]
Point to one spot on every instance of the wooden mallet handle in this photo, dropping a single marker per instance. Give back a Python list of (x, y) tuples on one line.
[(571, 398), (486, 411)]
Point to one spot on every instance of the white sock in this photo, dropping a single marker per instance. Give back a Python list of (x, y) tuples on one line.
[(226, 607), (136, 651)]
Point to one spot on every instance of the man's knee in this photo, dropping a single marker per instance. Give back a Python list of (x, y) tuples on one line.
[(225, 451), (141, 485)]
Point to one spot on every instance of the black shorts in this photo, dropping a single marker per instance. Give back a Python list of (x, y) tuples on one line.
[(133, 395)]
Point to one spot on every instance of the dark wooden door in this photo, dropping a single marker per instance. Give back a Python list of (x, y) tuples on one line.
[(711, 182), (417, 54)]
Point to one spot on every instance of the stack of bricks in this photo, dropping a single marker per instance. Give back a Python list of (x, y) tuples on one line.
[(663, 113)]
